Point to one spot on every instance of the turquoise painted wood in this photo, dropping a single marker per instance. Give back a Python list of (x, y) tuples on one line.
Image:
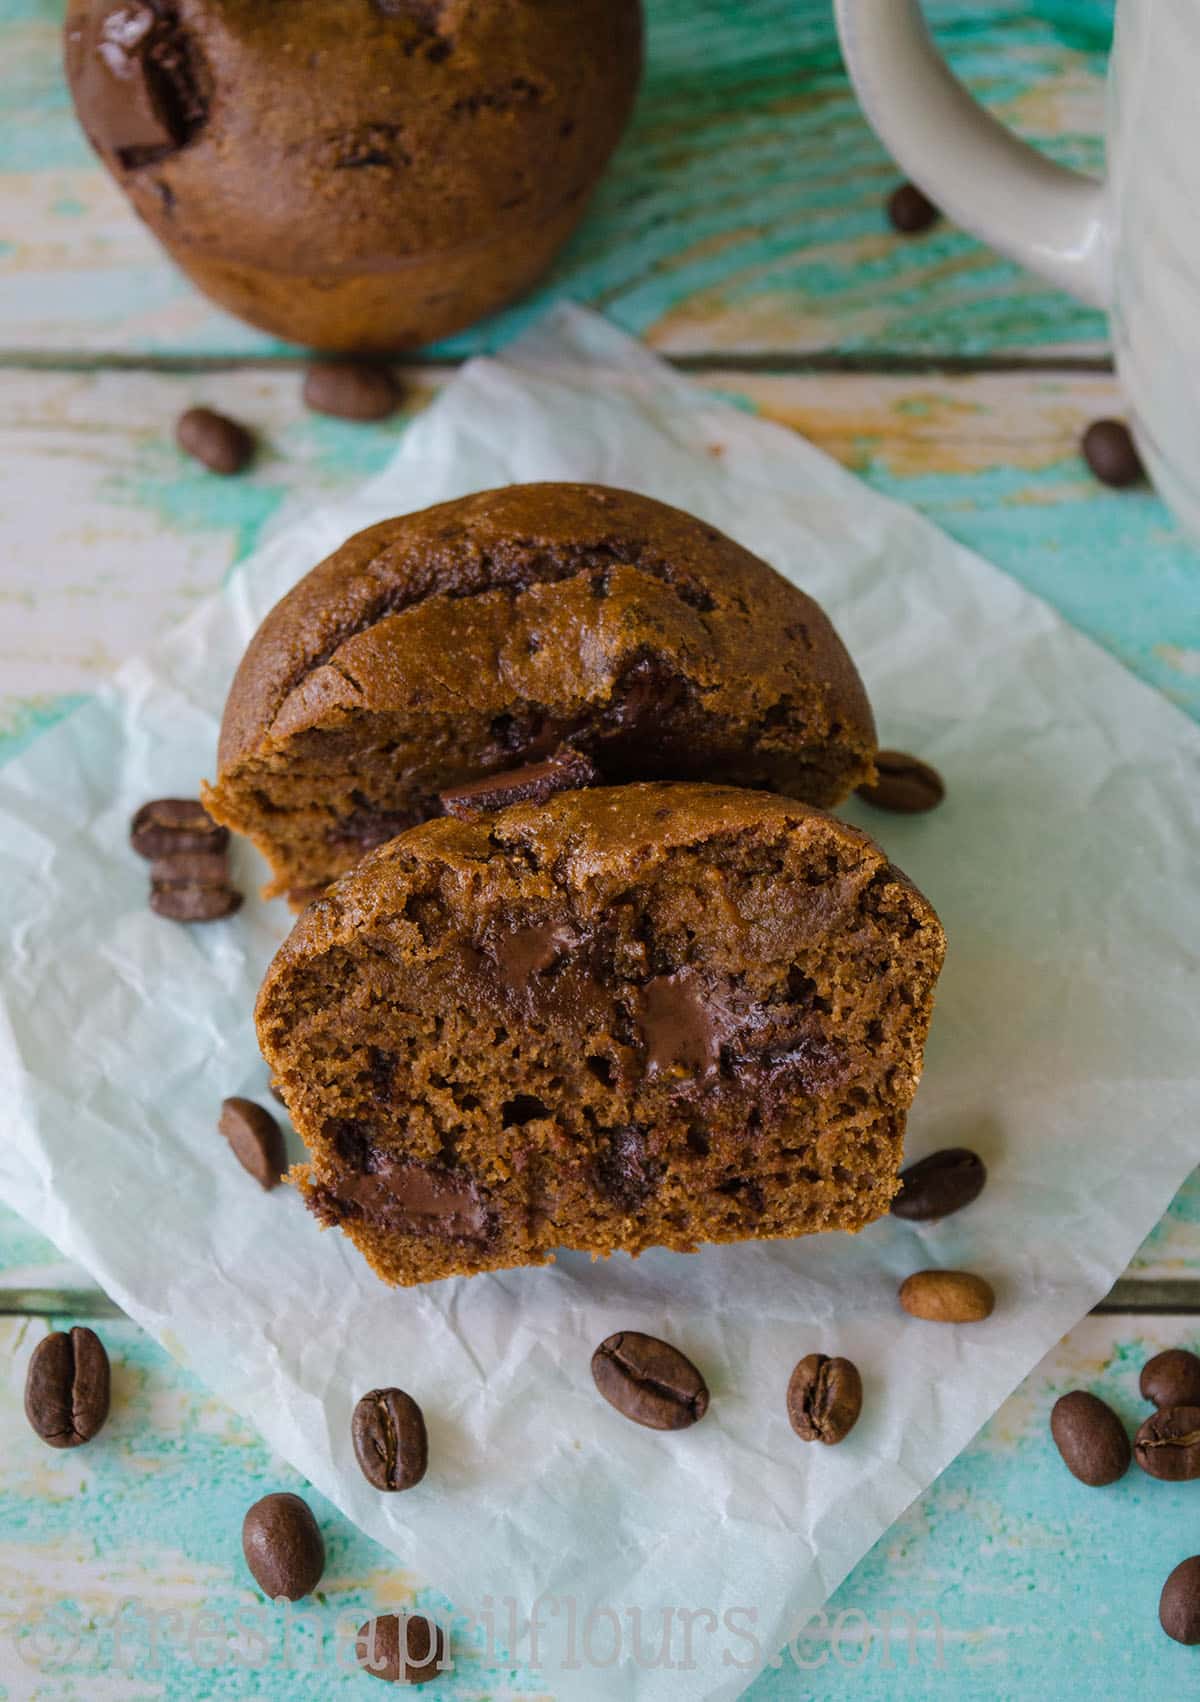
[(737, 92)]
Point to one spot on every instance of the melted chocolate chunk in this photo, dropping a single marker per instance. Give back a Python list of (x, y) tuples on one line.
[(367, 827), (138, 81), (685, 1025), (418, 1199), (566, 771), (531, 951)]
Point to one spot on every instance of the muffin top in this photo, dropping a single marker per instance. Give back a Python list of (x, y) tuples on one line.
[(413, 125), (569, 576)]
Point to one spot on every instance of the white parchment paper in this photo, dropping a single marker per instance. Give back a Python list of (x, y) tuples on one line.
[(1064, 1049)]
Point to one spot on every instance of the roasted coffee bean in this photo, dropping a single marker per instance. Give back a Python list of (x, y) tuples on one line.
[(1168, 1444), (256, 1139), (192, 903), (824, 1398), (219, 443), (904, 785), (191, 868), (649, 1381), (947, 1297), (351, 390), (1091, 1438), (566, 771), (1179, 1604), (936, 1186), (390, 1444), (67, 1387), (402, 1648), (165, 827), (283, 1546), (1172, 1379), (1111, 453), (910, 210)]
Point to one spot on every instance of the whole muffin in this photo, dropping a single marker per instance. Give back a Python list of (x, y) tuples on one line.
[(356, 174), (630, 1017), (481, 635)]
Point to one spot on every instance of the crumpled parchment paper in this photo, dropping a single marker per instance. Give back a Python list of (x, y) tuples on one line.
[(1063, 864)]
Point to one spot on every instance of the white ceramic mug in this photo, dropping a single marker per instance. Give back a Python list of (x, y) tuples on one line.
[(1130, 244)]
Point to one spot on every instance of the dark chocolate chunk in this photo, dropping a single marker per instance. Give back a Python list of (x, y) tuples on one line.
[(685, 1025), (419, 1199), (566, 771), (138, 81)]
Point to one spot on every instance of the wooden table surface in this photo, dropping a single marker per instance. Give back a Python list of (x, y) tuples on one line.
[(740, 231)]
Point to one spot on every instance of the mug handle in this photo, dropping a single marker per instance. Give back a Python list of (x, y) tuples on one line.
[(1050, 219)]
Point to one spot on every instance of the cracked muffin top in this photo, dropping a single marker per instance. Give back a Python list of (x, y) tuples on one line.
[(408, 126), (490, 632)]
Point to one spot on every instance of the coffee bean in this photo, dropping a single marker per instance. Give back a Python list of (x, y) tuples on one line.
[(351, 390), (283, 1546), (1172, 1379), (1090, 1437), (256, 1139), (1168, 1444), (1111, 453), (402, 1648), (824, 1398), (193, 903), (904, 785), (1179, 1604), (191, 868), (566, 771), (649, 1381), (947, 1297), (165, 827), (910, 210), (390, 1444), (936, 1186), (67, 1387), (219, 443)]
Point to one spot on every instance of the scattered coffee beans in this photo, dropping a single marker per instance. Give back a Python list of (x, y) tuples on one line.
[(824, 1398), (1179, 1604), (390, 1443), (905, 785), (910, 210), (1090, 1437), (1168, 1444), (283, 1546), (1111, 453), (256, 1139), (189, 870), (401, 1649), (168, 827), (947, 1297), (1172, 1379), (219, 443), (936, 1186), (67, 1387), (566, 771), (649, 1381), (351, 390)]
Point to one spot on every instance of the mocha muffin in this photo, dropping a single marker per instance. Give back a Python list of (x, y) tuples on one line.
[(356, 174), (483, 634), (640, 1016)]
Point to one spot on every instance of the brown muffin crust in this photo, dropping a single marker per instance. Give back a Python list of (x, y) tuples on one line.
[(328, 145), (639, 1016), (482, 634)]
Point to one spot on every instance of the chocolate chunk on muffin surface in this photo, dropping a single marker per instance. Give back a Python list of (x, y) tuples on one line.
[(356, 175), (483, 635), (632, 1016)]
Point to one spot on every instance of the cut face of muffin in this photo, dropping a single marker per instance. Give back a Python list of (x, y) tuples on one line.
[(636, 1016), (485, 634)]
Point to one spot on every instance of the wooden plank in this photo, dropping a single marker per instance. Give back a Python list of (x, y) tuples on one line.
[(1038, 1585), (743, 212)]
